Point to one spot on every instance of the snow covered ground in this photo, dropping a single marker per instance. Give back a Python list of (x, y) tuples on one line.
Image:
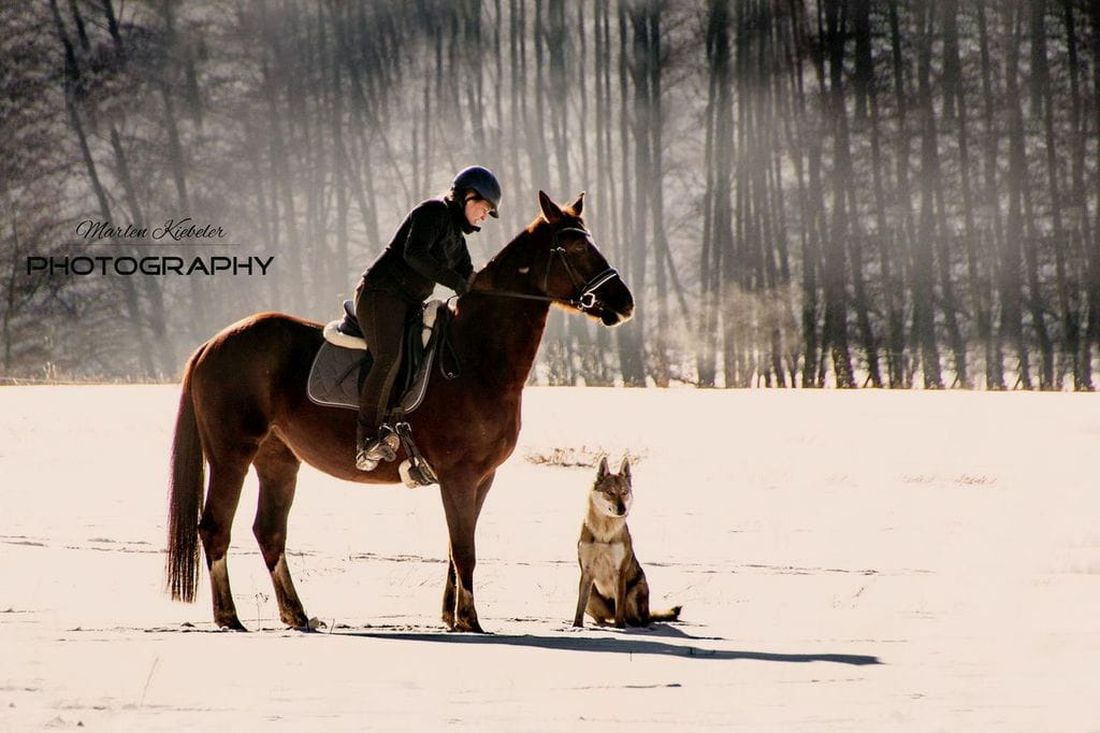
[(860, 561)]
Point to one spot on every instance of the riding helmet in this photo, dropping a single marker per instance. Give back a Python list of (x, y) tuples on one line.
[(483, 182)]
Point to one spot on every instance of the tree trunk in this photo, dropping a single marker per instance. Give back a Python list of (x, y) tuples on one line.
[(605, 219), (631, 358), (130, 295), (283, 206), (955, 95), (717, 185), (198, 320), (341, 264), (991, 226), (1065, 281), (936, 237), (836, 298), (663, 262), (1089, 236), (1011, 281), (801, 140), (1030, 239), (1079, 233), (153, 291), (556, 44), (157, 317), (895, 325), (906, 230), (9, 297)]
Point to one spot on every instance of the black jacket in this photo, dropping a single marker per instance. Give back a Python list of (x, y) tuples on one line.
[(428, 248)]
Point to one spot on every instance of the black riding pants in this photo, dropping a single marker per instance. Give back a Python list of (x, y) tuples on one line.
[(382, 312)]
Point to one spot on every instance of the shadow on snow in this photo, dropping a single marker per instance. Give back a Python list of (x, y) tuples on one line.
[(613, 645)]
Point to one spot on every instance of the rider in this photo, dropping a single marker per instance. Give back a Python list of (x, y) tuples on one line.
[(428, 248)]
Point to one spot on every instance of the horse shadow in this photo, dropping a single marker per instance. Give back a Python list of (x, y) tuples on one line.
[(624, 642)]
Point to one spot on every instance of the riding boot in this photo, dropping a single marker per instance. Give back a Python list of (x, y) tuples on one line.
[(371, 450), (364, 438)]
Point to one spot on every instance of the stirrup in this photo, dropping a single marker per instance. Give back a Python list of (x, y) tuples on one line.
[(414, 470), (416, 475)]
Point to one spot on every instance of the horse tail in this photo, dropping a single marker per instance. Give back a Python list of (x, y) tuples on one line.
[(185, 496)]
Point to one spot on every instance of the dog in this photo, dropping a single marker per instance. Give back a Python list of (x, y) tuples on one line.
[(613, 587)]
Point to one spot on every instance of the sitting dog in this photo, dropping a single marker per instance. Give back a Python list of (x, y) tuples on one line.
[(613, 587)]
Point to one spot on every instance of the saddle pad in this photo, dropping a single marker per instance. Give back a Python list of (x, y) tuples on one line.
[(334, 377)]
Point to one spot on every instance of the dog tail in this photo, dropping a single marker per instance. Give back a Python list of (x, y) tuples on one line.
[(672, 614)]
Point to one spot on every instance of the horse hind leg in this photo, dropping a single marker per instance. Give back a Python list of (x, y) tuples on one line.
[(277, 468), (223, 494)]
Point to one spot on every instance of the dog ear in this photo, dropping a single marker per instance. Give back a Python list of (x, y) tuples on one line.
[(602, 470), (624, 469)]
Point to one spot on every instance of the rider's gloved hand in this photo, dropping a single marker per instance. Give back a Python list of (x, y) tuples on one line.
[(463, 286)]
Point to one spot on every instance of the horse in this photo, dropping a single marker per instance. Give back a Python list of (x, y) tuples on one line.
[(243, 402)]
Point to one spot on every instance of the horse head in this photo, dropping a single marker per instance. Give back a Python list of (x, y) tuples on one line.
[(555, 259)]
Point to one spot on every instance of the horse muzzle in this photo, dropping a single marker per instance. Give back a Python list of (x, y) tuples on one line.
[(612, 318), (608, 298)]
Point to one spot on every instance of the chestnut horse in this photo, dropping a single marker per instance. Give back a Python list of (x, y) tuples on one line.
[(244, 402)]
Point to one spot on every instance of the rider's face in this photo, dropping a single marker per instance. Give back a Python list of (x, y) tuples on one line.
[(477, 210)]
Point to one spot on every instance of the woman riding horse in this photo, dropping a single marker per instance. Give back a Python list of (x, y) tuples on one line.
[(428, 248), (244, 404)]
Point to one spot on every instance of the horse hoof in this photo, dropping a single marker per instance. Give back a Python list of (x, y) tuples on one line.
[(300, 622), (232, 624), (307, 627)]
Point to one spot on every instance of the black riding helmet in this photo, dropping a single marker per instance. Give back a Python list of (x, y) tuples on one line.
[(483, 182)]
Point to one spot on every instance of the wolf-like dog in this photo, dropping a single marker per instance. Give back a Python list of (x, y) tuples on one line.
[(613, 587)]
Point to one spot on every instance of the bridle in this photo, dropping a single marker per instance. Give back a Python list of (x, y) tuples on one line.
[(584, 297)]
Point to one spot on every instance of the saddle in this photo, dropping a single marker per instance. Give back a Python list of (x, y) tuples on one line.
[(342, 362)]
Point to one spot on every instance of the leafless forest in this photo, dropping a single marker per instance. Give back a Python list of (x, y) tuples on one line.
[(849, 193)]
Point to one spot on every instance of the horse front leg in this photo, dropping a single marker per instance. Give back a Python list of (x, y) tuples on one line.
[(462, 502)]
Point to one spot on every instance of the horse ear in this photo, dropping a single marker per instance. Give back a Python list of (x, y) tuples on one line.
[(624, 469), (578, 205), (550, 210), (602, 470)]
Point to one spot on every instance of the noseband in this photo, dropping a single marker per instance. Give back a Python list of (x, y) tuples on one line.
[(584, 298)]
